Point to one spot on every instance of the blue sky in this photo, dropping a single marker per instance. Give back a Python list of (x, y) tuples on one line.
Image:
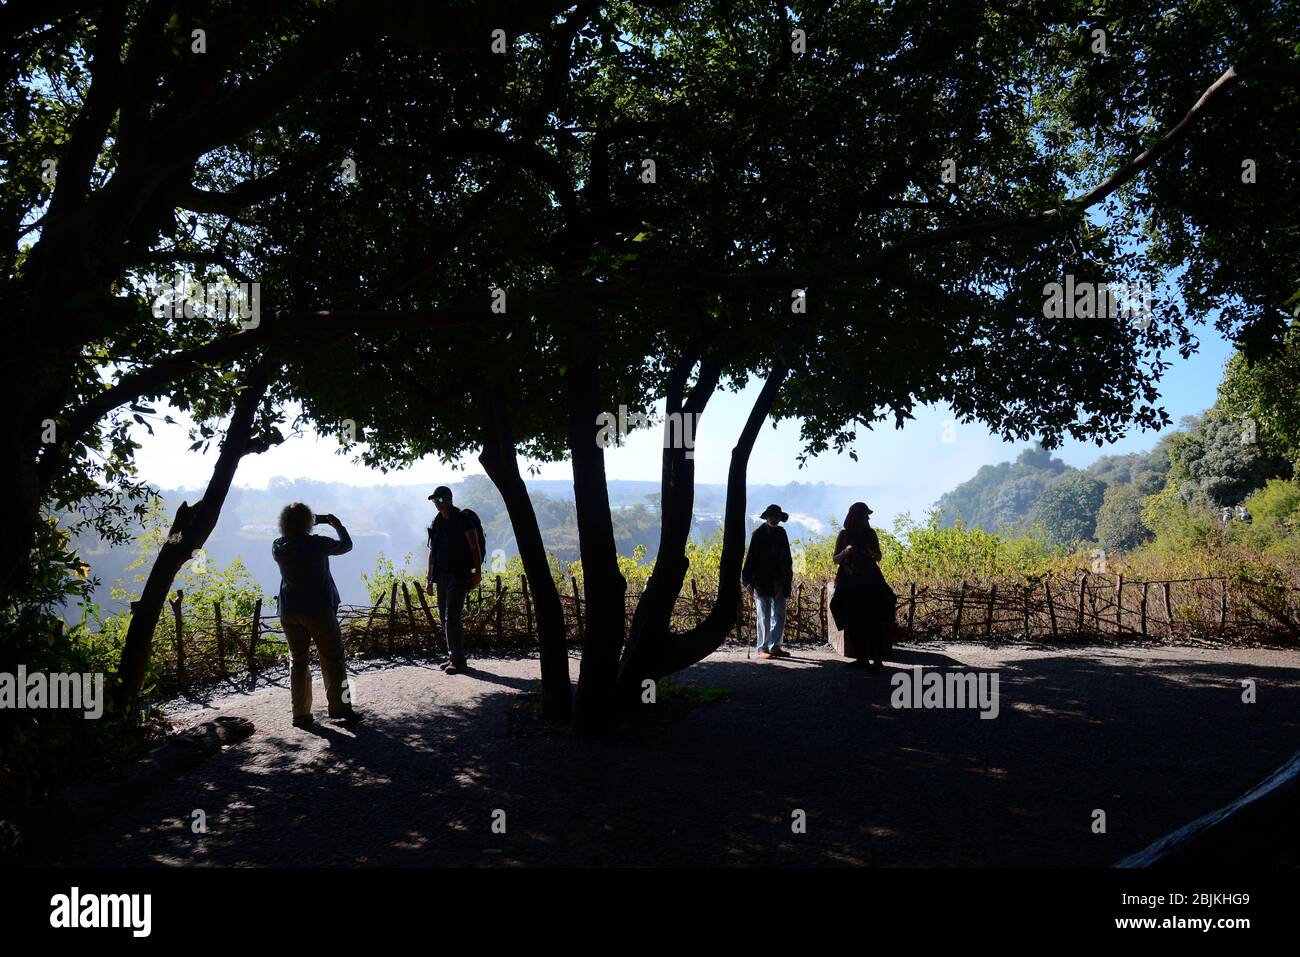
[(908, 469)]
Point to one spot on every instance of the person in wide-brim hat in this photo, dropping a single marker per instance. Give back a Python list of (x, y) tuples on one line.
[(768, 573)]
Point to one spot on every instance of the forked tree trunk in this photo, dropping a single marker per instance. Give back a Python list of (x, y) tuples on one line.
[(653, 617), (604, 587), (189, 531), (499, 460), (666, 653)]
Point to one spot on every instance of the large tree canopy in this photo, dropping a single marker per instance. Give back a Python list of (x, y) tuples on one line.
[(678, 200), (468, 242), (1259, 394), (123, 123)]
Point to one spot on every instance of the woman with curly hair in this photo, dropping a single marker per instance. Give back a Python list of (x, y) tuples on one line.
[(309, 604)]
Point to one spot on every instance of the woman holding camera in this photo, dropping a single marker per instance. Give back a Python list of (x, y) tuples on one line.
[(309, 603)]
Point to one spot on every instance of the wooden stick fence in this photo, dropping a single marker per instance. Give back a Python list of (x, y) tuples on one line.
[(1088, 606)]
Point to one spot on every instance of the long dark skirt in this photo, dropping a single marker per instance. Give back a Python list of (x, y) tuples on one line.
[(871, 643), (866, 613)]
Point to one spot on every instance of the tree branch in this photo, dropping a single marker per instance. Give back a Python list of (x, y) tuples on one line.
[(154, 378), (19, 16), (233, 201), (163, 257), (96, 115), (776, 277)]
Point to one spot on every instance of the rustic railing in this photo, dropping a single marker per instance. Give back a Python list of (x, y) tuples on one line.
[(500, 616)]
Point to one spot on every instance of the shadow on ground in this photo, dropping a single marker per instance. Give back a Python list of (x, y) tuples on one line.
[(1153, 744)]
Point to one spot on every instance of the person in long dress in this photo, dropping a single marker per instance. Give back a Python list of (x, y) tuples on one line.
[(864, 603)]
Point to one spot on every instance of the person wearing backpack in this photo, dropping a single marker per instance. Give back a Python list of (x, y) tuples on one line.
[(455, 560)]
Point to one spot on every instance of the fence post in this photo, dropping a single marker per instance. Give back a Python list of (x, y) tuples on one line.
[(180, 633), (1169, 610), (1119, 605), (695, 601), (433, 629), (821, 613), (410, 609), (1146, 587), (911, 607), (392, 616), (798, 608), (500, 634), (1223, 603), (988, 615), (961, 604), (577, 605), (1051, 607), (528, 607), (740, 616), (1083, 588), (370, 621), (221, 638), (253, 636), (1024, 606)]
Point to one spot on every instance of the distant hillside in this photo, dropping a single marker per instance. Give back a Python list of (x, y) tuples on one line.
[(1002, 495), (1009, 494), (391, 520), (1210, 461)]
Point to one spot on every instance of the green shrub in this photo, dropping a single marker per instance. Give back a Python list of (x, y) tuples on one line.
[(379, 580), (1119, 521), (40, 749), (1275, 516)]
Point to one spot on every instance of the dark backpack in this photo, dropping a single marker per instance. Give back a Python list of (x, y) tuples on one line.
[(470, 516)]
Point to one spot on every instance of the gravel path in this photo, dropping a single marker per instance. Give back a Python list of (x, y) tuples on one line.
[(1154, 737)]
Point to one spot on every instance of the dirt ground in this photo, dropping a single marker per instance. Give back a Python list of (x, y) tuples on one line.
[(1152, 737)]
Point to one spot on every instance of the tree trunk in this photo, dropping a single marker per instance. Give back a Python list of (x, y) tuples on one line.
[(189, 531), (501, 464), (604, 588), (20, 506), (671, 653), (653, 617)]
